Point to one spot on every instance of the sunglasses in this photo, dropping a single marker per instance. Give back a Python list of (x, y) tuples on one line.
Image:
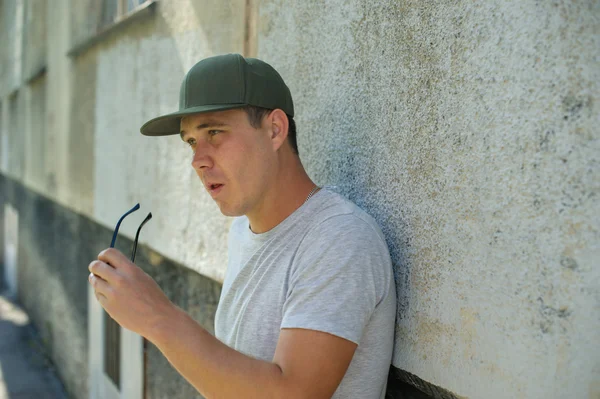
[(137, 234), (112, 340)]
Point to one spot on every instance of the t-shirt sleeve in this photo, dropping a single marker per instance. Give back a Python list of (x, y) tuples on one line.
[(340, 275)]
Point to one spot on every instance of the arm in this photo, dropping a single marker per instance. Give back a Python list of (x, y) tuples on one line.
[(307, 363)]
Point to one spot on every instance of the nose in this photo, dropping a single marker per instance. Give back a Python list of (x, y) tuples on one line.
[(202, 158)]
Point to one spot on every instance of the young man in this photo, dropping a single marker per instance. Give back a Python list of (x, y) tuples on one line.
[(308, 303)]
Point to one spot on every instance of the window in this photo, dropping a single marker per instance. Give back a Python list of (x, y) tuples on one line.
[(94, 20), (112, 350), (132, 4), (115, 10)]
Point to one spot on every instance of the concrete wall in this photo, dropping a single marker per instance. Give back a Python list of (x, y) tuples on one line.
[(123, 81), (34, 38), (14, 132), (94, 160), (469, 130), (33, 133), (72, 161), (52, 272), (11, 37)]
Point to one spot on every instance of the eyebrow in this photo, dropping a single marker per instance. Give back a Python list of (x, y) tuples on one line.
[(204, 126)]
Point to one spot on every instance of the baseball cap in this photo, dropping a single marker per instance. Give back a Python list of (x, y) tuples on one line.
[(224, 82)]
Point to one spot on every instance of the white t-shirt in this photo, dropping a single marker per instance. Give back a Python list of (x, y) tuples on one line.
[(326, 267)]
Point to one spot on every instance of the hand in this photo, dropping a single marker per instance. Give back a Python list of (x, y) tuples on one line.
[(129, 295)]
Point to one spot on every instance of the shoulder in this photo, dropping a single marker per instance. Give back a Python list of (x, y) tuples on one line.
[(337, 214), (344, 247), (340, 233)]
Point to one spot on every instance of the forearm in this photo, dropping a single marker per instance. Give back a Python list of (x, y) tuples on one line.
[(213, 368)]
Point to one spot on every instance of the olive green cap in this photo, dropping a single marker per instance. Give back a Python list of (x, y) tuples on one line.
[(224, 82)]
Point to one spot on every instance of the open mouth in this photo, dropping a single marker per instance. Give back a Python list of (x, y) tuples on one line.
[(215, 188)]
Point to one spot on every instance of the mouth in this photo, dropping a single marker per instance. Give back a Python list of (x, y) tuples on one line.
[(214, 189)]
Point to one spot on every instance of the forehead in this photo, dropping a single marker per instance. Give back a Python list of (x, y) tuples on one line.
[(228, 117)]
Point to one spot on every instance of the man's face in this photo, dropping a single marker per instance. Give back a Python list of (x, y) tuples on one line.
[(234, 160)]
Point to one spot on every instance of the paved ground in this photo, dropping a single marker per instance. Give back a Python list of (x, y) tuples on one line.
[(25, 371)]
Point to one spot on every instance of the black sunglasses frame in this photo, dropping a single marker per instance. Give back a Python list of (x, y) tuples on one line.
[(137, 234)]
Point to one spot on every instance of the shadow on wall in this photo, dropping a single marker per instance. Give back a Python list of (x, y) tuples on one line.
[(350, 169)]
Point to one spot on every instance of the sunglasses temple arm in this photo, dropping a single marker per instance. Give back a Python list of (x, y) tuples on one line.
[(137, 235), (116, 232)]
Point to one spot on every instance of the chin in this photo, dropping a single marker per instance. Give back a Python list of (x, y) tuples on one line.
[(230, 211)]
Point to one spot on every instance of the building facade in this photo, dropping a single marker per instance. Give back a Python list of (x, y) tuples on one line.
[(469, 130)]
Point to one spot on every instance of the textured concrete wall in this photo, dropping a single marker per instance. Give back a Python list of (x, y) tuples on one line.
[(15, 139), (72, 134), (11, 45), (153, 57), (470, 131), (51, 266), (52, 282), (95, 161), (85, 16), (34, 134), (11, 68), (34, 37), (60, 185), (3, 136)]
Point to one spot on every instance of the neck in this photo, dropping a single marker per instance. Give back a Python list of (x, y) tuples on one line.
[(287, 193)]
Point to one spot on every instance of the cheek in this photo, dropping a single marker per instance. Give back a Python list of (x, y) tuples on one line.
[(251, 167), (245, 162), (236, 163)]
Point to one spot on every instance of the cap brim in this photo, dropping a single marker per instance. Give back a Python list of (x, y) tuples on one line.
[(170, 124)]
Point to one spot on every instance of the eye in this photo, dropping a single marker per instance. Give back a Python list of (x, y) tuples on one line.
[(213, 132), (191, 142)]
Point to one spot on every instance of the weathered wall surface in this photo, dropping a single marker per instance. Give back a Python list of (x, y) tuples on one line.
[(52, 275), (136, 75), (72, 161), (470, 130), (14, 138), (33, 133), (51, 264), (70, 126), (34, 38), (11, 37)]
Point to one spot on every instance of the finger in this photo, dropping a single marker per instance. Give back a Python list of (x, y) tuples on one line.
[(99, 285), (113, 257), (103, 270), (100, 298)]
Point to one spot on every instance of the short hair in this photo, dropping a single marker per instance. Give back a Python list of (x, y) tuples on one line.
[(256, 115)]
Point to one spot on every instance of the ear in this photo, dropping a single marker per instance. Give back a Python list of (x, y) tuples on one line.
[(279, 126)]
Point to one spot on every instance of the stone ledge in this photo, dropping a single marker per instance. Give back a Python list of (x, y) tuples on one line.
[(41, 71), (143, 11)]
